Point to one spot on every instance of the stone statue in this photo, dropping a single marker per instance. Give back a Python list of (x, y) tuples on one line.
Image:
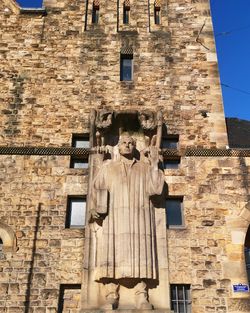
[(127, 249)]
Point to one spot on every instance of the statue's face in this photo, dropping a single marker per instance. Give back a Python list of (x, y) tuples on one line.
[(126, 146)]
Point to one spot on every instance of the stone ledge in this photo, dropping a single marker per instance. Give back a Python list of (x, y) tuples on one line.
[(33, 11), (84, 152)]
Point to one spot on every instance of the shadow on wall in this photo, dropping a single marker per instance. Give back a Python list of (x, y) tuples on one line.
[(31, 269)]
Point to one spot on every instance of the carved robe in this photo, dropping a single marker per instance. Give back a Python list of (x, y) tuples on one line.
[(127, 246)]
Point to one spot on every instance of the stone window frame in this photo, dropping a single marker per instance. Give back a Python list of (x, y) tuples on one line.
[(8, 238), (162, 7), (175, 226), (70, 198), (73, 159), (62, 289), (91, 7), (130, 6)]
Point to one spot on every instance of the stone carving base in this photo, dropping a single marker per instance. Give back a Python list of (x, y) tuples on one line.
[(125, 311)]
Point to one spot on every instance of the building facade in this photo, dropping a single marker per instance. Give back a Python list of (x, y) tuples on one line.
[(60, 63)]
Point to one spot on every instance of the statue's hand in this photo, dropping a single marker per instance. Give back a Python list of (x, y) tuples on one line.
[(154, 156), (94, 214)]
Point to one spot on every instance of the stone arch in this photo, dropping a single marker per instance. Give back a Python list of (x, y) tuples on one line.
[(247, 252), (8, 238), (234, 266)]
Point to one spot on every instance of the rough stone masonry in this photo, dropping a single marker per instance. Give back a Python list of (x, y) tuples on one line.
[(55, 67)]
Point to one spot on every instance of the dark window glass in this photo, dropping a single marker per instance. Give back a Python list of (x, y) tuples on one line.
[(180, 298), (170, 143), (174, 211), (171, 164), (126, 10), (76, 212), (79, 163), (69, 293), (95, 14), (157, 15), (126, 67), (79, 141)]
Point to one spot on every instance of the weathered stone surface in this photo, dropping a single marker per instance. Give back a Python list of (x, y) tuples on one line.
[(54, 70)]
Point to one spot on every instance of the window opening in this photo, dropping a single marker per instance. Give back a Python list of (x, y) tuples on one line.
[(157, 14), (126, 71), (79, 141), (76, 212), (170, 142), (180, 298), (81, 163), (95, 12), (172, 164), (69, 294), (126, 11), (174, 212)]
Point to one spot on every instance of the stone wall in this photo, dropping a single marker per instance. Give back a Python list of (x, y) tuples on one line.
[(54, 71), (33, 203), (55, 68)]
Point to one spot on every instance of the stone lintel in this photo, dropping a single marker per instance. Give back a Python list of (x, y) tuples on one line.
[(33, 11)]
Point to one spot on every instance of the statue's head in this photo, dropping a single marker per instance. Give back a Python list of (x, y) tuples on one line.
[(126, 146)]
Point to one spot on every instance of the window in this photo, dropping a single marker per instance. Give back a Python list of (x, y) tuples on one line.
[(174, 212), (180, 298), (172, 164), (170, 142), (76, 212), (95, 13), (76, 162), (79, 141), (126, 10), (157, 14), (69, 297), (126, 67)]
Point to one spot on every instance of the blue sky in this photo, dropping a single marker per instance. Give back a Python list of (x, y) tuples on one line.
[(231, 20)]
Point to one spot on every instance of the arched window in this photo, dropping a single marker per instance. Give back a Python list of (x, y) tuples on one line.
[(247, 252), (7, 238)]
